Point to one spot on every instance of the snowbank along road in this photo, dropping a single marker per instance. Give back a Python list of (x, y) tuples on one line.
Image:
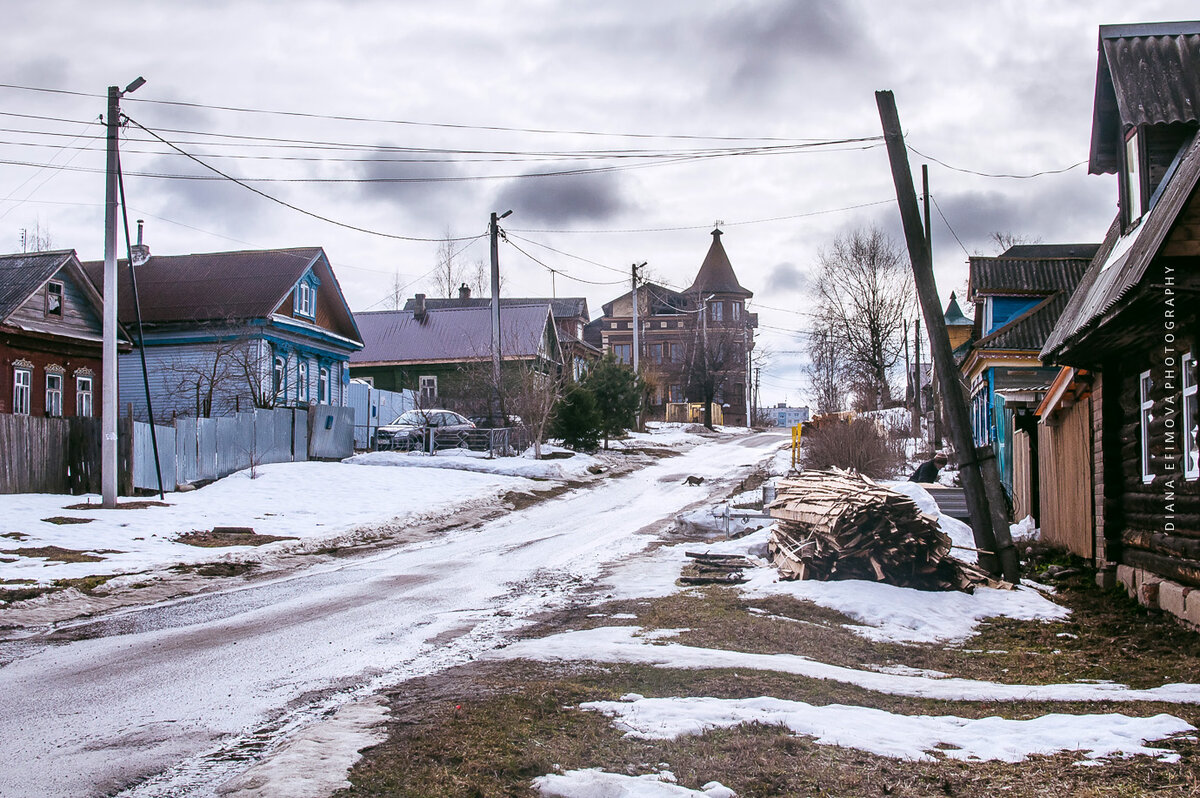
[(178, 698)]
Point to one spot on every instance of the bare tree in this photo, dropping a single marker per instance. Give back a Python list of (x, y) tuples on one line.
[(864, 292), (715, 357), (451, 272), (394, 299), (37, 239), (213, 379), (826, 370), (531, 392)]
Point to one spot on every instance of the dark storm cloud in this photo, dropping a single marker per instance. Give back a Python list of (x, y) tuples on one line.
[(429, 192), (566, 199), (213, 205), (786, 277), (1051, 216), (768, 44)]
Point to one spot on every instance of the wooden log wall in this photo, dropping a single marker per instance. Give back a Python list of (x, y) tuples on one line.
[(1159, 521)]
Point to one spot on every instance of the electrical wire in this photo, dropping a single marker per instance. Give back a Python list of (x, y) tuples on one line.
[(1030, 176), (289, 205), (947, 223), (445, 125), (553, 270)]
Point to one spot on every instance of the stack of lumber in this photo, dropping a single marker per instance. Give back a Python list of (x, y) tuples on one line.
[(841, 525), (707, 569)]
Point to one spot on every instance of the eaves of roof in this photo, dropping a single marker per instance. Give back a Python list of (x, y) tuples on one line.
[(1122, 261)]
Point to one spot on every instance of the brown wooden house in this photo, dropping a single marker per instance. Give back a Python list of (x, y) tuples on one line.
[(1132, 323), (51, 329), (692, 341)]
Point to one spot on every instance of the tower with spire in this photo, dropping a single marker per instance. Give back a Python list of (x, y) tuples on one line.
[(695, 344)]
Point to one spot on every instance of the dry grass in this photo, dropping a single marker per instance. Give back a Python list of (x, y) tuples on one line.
[(59, 554), (490, 728), (209, 540), (62, 520), (126, 505)]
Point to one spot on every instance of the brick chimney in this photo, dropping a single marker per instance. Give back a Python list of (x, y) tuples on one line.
[(464, 291), (419, 307)]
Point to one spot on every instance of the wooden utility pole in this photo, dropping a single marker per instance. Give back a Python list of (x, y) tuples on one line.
[(497, 411), (917, 378), (636, 337), (989, 520)]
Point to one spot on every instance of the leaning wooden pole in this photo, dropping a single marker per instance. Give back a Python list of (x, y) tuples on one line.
[(989, 522)]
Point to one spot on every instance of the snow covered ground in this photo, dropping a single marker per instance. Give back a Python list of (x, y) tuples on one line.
[(317, 502)]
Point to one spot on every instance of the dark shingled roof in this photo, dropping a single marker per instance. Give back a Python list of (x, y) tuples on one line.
[(1146, 74), (221, 286), (22, 274), (212, 286), (1031, 269), (449, 334), (716, 273)]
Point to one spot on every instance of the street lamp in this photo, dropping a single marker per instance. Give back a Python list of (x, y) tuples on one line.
[(108, 351)]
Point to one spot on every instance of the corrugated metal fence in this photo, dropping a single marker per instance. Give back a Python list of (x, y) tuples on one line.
[(62, 455)]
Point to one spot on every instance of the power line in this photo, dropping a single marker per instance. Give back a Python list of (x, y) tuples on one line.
[(405, 122), (723, 224), (553, 270), (947, 223), (1030, 176), (290, 205)]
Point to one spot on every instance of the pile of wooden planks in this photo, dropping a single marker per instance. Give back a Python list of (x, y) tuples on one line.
[(841, 525), (708, 569)]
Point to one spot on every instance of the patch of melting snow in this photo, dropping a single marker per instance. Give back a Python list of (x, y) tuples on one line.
[(596, 783), (910, 737)]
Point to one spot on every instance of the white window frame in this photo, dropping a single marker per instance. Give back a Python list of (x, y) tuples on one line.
[(54, 392), (83, 397), (306, 299), (1191, 447), (1133, 178), (50, 286), (1145, 418), (279, 379), (323, 386), (22, 391), (717, 309), (427, 387), (302, 381), (735, 310)]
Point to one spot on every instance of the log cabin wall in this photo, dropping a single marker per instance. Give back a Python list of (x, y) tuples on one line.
[(1151, 524)]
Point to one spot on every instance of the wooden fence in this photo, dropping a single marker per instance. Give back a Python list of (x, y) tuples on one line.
[(62, 455), (1065, 449)]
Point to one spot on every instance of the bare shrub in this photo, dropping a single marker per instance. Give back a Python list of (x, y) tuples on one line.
[(859, 445)]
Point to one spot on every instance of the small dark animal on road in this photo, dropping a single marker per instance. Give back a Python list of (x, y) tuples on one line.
[(694, 480)]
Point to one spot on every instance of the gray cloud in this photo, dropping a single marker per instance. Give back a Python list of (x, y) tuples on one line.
[(786, 277), (786, 40), (565, 200)]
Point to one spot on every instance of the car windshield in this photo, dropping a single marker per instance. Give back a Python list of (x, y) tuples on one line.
[(416, 418)]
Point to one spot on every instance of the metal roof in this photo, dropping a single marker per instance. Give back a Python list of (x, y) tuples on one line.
[(954, 316), (1122, 261), (1145, 75), (24, 273), (716, 274), (563, 307), (450, 334), (1028, 331), (1030, 269), (221, 286)]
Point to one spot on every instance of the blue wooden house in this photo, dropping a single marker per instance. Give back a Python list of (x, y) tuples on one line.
[(1018, 297), (233, 331)]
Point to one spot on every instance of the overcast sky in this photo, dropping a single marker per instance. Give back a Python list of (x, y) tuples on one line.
[(503, 92)]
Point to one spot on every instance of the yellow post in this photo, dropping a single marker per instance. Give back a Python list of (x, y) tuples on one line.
[(796, 430)]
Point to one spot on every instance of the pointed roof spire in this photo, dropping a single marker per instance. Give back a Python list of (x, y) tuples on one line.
[(954, 314), (716, 274)]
